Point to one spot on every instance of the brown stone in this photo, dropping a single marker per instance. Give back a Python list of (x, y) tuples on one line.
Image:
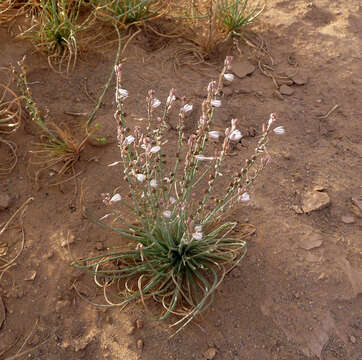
[(347, 219), (242, 68), (299, 79), (286, 90), (315, 200), (311, 241)]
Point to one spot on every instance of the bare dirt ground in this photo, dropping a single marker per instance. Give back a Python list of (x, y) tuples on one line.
[(297, 294)]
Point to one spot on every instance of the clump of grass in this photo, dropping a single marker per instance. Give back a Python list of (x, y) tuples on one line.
[(180, 248), (55, 29), (209, 23), (58, 149), (125, 11), (236, 14)]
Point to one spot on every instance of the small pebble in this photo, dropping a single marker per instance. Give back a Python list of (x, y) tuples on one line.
[(352, 339), (210, 353), (99, 246), (140, 344)]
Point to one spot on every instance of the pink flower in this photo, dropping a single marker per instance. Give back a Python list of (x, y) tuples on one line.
[(167, 214), (244, 197), (123, 93), (197, 236), (128, 140)]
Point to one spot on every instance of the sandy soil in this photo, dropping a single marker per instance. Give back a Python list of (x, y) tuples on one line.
[(298, 293)]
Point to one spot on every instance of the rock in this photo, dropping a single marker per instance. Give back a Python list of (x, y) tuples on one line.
[(242, 68), (348, 219), (31, 276), (210, 353), (299, 79), (315, 200), (352, 339), (357, 206), (4, 201), (242, 90), (227, 91), (311, 241), (105, 133), (140, 344), (286, 90)]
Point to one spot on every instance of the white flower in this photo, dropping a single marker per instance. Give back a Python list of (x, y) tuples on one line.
[(155, 149), (141, 177), (235, 135), (198, 228), (167, 214), (172, 200), (186, 108), (156, 103), (167, 179), (214, 134), (244, 197), (216, 103), (279, 130), (115, 198), (197, 235), (229, 77), (123, 93), (129, 140), (114, 163), (153, 183), (203, 158)]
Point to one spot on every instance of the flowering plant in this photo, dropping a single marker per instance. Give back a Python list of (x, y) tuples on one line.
[(180, 246)]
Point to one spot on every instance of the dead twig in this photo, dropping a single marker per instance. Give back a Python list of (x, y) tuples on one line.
[(335, 107)]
